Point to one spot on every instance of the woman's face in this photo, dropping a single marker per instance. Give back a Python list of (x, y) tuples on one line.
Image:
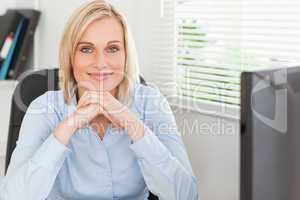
[(99, 59)]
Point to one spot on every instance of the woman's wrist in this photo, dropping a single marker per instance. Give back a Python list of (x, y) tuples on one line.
[(65, 130), (72, 122), (135, 129)]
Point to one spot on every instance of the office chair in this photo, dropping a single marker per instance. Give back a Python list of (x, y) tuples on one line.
[(30, 86)]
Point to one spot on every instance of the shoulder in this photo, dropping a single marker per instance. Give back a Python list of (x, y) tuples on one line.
[(149, 98), (49, 102), (148, 91), (49, 97), (154, 108)]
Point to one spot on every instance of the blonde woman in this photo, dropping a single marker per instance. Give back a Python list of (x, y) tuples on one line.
[(103, 135)]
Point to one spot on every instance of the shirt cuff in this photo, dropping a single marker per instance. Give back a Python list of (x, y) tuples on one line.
[(150, 148), (51, 154)]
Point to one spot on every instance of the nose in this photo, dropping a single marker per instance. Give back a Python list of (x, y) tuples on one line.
[(101, 61)]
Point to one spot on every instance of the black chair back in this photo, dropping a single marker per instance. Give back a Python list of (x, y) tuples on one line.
[(30, 86)]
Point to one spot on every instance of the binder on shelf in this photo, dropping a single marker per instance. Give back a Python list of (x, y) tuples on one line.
[(25, 54), (21, 50), (9, 23), (8, 60)]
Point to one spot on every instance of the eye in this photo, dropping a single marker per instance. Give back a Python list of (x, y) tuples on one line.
[(86, 50), (113, 49)]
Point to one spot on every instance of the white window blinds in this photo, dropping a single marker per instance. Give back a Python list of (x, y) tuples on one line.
[(216, 40), (162, 37)]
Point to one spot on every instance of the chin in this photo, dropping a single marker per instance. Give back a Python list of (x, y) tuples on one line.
[(104, 89), (103, 81), (105, 86)]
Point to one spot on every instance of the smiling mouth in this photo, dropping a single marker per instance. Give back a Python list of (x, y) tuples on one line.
[(100, 76)]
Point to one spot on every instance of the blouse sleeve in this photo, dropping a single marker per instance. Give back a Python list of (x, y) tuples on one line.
[(37, 158), (161, 153)]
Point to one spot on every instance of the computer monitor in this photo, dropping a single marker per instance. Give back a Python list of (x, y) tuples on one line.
[(270, 135)]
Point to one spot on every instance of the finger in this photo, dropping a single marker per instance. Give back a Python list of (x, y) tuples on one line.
[(112, 104), (95, 97), (110, 118), (100, 97), (117, 127), (114, 122), (89, 98), (83, 98), (88, 110)]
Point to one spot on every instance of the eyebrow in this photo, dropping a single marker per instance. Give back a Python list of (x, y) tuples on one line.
[(110, 42)]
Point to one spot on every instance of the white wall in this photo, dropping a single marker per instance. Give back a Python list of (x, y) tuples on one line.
[(213, 146), (212, 142), (5, 4), (6, 92)]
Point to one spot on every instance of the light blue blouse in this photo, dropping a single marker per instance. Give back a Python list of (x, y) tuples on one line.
[(90, 168)]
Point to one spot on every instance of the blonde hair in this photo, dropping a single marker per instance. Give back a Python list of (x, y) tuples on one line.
[(74, 29)]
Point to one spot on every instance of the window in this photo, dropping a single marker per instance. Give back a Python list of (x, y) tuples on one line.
[(215, 40)]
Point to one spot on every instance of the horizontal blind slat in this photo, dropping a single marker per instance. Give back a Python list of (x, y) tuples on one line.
[(208, 70), (211, 77), (211, 90), (212, 84), (212, 98)]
